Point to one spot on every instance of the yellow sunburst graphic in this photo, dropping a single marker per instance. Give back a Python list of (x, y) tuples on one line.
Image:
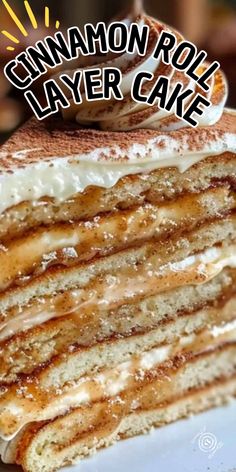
[(20, 25)]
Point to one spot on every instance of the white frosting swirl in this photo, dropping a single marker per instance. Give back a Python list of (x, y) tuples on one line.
[(128, 114)]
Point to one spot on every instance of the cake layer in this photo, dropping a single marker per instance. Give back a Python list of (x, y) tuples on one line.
[(130, 191), (132, 283), (197, 306), (69, 244), (109, 282), (38, 446), (207, 381), (103, 371)]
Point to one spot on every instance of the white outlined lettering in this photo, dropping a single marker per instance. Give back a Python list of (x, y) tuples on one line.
[(102, 82)]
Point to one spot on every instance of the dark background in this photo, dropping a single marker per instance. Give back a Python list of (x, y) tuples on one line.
[(210, 24)]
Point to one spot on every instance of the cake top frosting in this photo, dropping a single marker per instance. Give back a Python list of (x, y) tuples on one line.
[(40, 142), (59, 160)]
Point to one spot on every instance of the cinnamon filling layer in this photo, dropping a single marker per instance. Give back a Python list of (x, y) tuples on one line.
[(135, 190), (130, 284), (25, 403), (67, 244)]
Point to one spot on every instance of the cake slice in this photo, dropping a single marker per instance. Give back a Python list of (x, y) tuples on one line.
[(118, 294), (118, 269)]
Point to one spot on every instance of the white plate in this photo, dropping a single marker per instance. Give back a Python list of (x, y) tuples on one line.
[(203, 443)]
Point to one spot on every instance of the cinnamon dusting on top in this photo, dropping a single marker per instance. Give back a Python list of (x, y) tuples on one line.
[(40, 142)]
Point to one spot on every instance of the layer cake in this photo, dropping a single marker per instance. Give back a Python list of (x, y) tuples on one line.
[(117, 281)]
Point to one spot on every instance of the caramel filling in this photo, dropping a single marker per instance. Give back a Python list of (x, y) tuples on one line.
[(67, 244), (130, 284), (24, 403)]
